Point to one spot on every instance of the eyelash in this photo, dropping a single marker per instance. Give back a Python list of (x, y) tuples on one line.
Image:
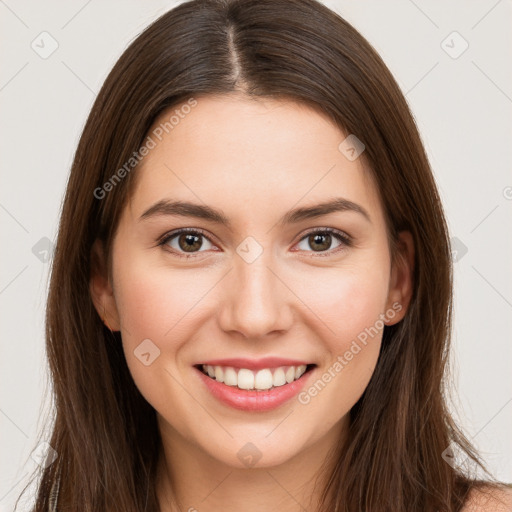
[(345, 239)]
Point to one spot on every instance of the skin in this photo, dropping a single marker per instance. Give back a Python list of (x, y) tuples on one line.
[(255, 161)]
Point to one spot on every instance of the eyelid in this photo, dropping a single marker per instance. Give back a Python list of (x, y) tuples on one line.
[(171, 234), (176, 232), (342, 236)]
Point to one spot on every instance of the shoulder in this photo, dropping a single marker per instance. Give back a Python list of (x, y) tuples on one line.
[(490, 499)]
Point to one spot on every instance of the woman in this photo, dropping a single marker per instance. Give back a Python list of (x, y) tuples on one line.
[(250, 303)]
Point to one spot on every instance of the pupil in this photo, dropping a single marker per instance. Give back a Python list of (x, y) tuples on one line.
[(189, 241), (317, 239)]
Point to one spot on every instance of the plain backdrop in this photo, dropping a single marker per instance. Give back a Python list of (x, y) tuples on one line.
[(452, 60)]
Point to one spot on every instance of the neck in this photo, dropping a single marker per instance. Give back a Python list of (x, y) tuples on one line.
[(191, 480)]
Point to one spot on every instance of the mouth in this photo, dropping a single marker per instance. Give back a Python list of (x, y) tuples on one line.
[(263, 379), (254, 390)]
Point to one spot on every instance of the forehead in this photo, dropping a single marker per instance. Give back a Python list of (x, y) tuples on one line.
[(246, 155)]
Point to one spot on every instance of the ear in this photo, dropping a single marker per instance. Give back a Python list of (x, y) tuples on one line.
[(100, 288), (401, 282)]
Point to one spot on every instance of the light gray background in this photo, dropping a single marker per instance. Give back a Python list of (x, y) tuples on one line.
[(462, 106)]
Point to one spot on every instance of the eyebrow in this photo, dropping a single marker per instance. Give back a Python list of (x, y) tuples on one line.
[(187, 209)]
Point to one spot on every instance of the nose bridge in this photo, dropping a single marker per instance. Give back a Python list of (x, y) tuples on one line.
[(256, 302)]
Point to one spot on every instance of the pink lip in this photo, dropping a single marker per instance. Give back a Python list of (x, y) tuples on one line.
[(255, 364), (257, 401)]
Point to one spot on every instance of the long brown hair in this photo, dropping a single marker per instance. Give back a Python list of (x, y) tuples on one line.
[(105, 433)]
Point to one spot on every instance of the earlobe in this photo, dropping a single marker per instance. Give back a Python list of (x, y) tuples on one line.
[(101, 290), (401, 283)]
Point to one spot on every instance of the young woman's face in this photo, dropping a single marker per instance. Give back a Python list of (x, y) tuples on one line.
[(257, 285)]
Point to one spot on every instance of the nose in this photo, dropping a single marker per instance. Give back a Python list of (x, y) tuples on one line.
[(255, 301)]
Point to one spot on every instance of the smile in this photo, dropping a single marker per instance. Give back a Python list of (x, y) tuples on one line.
[(243, 378), (257, 390)]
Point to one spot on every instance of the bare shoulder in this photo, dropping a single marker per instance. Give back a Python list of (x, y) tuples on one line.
[(490, 499)]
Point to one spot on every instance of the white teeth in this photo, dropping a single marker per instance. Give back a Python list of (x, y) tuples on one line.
[(279, 378), (300, 371), (263, 379), (259, 380), (230, 377), (245, 379), (219, 374), (290, 374)]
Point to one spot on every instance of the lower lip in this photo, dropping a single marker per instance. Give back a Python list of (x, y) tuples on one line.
[(244, 400)]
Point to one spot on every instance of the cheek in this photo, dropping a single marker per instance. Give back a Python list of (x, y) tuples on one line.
[(340, 383), (154, 302), (156, 325), (345, 300), (154, 307), (350, 304)]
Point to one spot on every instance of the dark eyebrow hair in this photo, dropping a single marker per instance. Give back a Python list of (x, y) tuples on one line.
[(335, 205), (186, 209)]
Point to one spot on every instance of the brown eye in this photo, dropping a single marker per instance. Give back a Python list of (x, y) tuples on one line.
[(187, 241), (321, 241)]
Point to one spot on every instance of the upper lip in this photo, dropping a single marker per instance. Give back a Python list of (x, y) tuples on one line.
[(255, 364)]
